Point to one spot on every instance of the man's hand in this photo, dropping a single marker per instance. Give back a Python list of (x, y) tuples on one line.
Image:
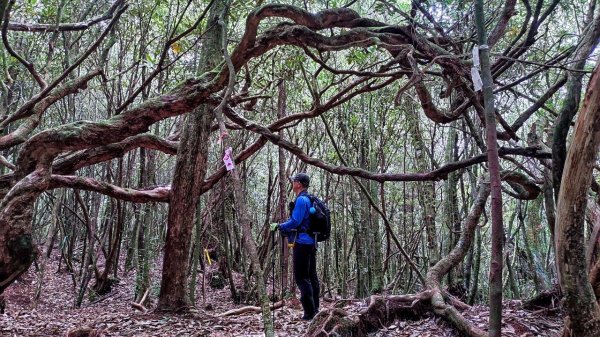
[(274, 226)]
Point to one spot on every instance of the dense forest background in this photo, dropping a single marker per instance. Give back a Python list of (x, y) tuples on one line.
[(455, 143)]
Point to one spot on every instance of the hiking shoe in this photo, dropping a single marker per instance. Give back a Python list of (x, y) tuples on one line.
[(308, 317)]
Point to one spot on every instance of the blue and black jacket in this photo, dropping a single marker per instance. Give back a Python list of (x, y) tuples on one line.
[(299, 221)]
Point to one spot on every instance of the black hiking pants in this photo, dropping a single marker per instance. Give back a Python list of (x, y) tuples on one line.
[(305, 273)]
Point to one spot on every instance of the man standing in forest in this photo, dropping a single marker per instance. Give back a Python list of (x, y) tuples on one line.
[(304, 246)]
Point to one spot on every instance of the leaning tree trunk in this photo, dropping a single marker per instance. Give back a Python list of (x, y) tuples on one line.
[(456, 255), (583, 313), (190, 170)]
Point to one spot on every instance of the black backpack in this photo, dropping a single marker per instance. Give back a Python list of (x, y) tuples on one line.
[(320, 220)]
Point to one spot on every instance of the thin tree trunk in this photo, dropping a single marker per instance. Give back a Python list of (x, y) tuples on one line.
[(142, 282), (451, 203), (436, 272), (283, 187), (511, 278), (361, 230), (88, 254), (495, 293), (533, 221), (426, 188), (476, 266), (49, 242), (376, 264), (238, 192)]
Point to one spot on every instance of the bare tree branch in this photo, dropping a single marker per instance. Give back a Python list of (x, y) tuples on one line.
[(73, 162), (537, 105), (21, 134), (507, 12), (64, 27), (156, 194), (28, 65), (438, 174), (25, 109)]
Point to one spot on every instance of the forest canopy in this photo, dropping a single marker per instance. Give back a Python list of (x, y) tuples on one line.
[(455, 143)]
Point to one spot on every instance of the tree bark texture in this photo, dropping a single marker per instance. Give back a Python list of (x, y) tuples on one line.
[(579, 300), (495, 292), (190, 170)]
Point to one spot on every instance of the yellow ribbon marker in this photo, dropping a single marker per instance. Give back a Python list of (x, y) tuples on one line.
[(207, 256), (291, 245)]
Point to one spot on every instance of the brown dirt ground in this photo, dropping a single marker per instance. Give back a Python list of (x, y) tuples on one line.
[(112, 315)]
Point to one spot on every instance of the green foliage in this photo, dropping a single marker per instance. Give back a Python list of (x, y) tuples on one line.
[(357, 56), (295, 61), (405, 5)]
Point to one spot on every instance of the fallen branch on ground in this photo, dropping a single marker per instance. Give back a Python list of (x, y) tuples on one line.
[(140, 306), (250, 308)]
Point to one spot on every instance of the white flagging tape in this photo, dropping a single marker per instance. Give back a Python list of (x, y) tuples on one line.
[(476, 57), (475, 77)]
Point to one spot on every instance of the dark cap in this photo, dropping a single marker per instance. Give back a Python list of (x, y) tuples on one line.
[(302, 178)]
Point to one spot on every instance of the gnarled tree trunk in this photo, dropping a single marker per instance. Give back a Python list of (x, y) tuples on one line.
[(190, 170)]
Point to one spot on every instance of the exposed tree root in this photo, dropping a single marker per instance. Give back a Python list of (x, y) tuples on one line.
[(384, 310), (139, 307), (547, 299), (334, 322)]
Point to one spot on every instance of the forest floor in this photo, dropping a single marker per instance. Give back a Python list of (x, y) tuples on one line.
[(112, 314)]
